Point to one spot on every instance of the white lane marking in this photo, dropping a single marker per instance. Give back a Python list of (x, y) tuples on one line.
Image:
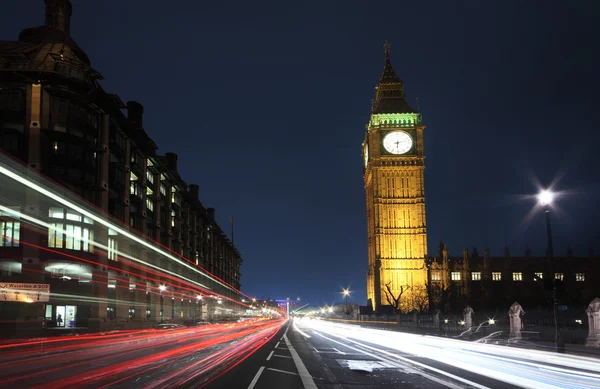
[(301, 333), (277, 345), (255, 380), (270, 355), (307, 379), (282, 356), (428, 376), (339, 351), (283, 371)]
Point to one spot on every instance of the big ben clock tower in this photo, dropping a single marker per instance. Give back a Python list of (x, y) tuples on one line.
[(394, 163)]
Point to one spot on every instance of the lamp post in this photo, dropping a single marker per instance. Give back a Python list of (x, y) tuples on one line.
[(346, 293), (545, 198)]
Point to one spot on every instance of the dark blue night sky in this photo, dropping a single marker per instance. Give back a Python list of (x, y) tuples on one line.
[(266, 104)]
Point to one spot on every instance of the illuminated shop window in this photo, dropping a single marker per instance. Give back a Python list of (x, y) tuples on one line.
[(10, 234)]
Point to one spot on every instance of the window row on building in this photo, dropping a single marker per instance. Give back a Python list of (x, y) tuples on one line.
[(497, 276)]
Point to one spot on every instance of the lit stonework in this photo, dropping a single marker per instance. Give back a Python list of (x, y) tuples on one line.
[(395, 194)]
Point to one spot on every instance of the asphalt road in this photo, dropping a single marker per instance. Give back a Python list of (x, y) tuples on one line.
[(183, 357), (315, 354)]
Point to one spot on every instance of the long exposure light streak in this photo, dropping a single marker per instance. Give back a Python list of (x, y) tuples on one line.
[(141, 358), (61, 200), (41, 223), (521, 367)]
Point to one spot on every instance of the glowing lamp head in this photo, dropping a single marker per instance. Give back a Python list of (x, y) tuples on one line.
[(330, 309), (346, 292), (162, 288), (545, 197), (492, 321)]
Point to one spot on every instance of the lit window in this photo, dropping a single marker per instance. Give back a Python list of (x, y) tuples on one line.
[(56, 213), (455, 276), (73, 216), (70, 237), (538, 275), (496, 276), (149, 162), (559, 276), (579, 277), (112, 249), (10, 234), (476, 276), (149, 192), (173, 196), (149, 204), (517, 276), (173, 214), (134, 185), (436, 276), (163, 190), (150, 176)]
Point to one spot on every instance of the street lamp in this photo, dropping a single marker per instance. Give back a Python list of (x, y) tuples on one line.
[(545, 198), (346, 293)]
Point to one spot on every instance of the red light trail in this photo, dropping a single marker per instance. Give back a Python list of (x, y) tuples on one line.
[(143, 358)]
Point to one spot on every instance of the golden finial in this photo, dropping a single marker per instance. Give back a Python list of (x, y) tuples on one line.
[(386, 48)]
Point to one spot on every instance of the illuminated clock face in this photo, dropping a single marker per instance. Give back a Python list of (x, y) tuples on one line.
[(397, 142), (366, 155)]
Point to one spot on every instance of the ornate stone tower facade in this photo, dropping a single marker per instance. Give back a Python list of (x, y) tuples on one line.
[(394, 163)]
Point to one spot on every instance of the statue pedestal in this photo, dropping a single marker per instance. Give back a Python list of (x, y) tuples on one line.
[(468, 317), (593, 313), (516, 325)]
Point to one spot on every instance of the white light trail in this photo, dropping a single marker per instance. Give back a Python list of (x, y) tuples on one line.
[(522, 367), (41, 223), (99, 220)]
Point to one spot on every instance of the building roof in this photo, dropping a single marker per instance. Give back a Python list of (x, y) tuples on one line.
[(390, 96)]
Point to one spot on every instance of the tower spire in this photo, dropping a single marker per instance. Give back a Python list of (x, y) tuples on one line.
[(390, 91), (386, 49)]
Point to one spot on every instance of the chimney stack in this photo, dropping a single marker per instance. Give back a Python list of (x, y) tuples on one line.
[(135, 113), (211, 213), (194, 190), (171, 161), (58, 15)]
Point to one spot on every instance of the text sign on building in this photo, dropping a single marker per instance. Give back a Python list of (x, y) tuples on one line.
[(24, 292)]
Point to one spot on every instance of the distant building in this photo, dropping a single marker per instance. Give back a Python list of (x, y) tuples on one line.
[(55, 117), (488, 283)]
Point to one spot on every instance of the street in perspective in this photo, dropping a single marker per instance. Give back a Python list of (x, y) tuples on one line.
[(292, 237)]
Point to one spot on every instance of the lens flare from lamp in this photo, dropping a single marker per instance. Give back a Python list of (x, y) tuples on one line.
[(545, 197)]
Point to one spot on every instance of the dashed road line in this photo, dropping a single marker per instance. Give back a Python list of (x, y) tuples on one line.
[(283, 371), (256, 377), (282, 356), (277, 345), (270, 355)]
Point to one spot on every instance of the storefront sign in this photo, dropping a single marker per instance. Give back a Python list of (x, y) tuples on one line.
[(24, 292)]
